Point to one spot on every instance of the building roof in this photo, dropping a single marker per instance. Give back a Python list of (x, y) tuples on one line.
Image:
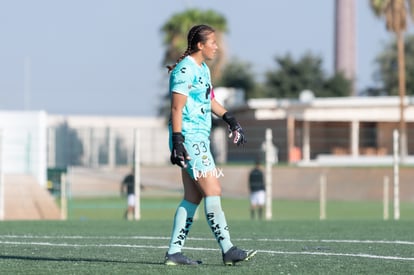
[(384, 108)]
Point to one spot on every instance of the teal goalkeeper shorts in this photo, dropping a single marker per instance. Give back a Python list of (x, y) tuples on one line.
[(201, 163)]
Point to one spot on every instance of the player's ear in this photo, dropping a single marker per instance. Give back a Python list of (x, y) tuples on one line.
[(200, 46)]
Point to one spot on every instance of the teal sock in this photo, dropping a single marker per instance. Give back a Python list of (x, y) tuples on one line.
[(217, 222), (183, 220)]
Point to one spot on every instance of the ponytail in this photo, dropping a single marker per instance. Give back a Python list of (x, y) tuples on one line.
[(171, 67)]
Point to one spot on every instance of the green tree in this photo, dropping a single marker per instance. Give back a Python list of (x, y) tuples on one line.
[(395, 14), (69, 147), (336, 86), (175, 32), (387, 67), (292, 77), (238, 74)]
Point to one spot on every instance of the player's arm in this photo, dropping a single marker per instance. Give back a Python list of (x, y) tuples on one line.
[(177, 104), (235, 130), (217, 108), (179, 154)]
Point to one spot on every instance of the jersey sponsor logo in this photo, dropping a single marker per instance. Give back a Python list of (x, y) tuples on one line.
[(208, 90), (183, 69)]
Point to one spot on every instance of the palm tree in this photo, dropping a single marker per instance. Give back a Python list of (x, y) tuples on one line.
[(175, 35), (395, 14)]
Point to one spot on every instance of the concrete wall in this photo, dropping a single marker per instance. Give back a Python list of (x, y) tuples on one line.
[(288, 182), (95, 141), (23, 143)]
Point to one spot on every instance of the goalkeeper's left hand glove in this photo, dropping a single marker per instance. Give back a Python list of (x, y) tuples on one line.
[(179, 154), (235, 130)]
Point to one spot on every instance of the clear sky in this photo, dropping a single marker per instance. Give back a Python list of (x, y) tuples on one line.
[(103, 57)]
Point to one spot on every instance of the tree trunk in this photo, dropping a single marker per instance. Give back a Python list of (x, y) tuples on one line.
[(402, 88)]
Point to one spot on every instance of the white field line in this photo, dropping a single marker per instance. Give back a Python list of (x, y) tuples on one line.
[(359, 255), (204, 239)]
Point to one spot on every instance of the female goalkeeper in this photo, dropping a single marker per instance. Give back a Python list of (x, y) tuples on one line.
[(192, 105)]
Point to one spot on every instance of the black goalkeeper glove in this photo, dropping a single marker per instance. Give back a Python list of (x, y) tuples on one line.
[(235, 130), (179, 155)]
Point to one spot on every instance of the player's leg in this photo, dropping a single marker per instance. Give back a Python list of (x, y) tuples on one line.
[(203, 171), (260, 212), (131, 207), (183, 221), (213, 211), (253, 206), (216, 219), (261, 200)]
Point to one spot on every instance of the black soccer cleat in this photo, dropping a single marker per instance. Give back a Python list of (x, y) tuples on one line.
[(179, 259), (235, 255)]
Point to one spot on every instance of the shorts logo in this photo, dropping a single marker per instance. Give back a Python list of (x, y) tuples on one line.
[(205, 160)]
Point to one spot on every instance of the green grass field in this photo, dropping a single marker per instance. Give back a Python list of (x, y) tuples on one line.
[(155, 208), (284, 247), (96, 240)]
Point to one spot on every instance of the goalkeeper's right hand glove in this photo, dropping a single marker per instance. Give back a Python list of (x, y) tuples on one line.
[(235, 130), (179, 155)]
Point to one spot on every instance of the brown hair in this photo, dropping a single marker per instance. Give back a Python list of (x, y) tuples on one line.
[(196, 35)]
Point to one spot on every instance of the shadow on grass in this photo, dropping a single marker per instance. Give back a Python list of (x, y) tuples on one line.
[(52, 259)]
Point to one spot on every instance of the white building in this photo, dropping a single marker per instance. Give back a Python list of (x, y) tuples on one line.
[(23, 143), (348, 127), (317, 131)]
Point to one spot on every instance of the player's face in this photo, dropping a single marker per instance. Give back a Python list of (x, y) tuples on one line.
[(209, 48)]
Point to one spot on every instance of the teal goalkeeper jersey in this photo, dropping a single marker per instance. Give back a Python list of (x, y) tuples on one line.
[(193, 81)]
